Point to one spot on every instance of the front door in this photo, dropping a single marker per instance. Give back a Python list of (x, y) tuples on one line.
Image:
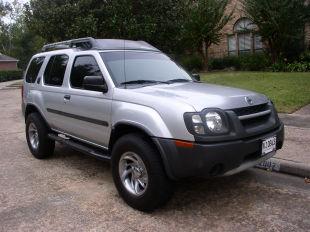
[(88, 112)]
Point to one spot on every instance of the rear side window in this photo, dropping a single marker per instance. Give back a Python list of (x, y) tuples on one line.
[(34, 69), (83, 66), (55, 70)]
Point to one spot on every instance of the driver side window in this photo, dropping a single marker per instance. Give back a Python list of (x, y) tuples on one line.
[(83, 66)]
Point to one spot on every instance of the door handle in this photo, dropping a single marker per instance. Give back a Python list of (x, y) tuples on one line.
[(67, 97)]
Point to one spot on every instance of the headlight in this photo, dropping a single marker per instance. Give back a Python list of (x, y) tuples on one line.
[(214, 122), (209, 122), (198, 124)]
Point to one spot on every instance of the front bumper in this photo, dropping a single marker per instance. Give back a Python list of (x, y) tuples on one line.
[(214, 159)]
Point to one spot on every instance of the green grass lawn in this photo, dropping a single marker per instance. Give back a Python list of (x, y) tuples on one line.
[(288, 91)]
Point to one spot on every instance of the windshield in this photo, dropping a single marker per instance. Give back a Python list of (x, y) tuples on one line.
[(136, 67)]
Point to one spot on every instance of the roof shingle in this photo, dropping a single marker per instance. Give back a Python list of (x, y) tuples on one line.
[(6, 58)]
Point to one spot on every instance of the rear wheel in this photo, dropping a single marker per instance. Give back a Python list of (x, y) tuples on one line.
[(139, 174), (37, 137)]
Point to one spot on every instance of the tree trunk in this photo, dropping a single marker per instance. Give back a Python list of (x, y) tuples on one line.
[(204, 50), (273, 52)]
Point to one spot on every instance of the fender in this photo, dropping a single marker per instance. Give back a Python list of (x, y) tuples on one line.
[(143, 117), (31, 107), (128, 127)]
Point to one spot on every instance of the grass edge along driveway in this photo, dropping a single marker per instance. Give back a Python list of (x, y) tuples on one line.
[(288, 91)]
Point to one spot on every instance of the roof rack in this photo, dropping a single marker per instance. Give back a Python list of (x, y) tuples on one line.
[(89, 43), (83, 43)]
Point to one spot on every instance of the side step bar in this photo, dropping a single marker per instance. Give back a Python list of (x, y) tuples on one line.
[(78, 146)]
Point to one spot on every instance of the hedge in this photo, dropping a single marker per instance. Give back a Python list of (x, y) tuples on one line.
[(302, 64), (246, 62), (191, 63), (291, 67), (10, 75)]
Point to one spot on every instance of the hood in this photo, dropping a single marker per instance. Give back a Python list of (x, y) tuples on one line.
[(200, 95)]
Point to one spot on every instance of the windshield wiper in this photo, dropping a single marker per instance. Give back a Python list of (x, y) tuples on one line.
[(141, 82), (178, 80)]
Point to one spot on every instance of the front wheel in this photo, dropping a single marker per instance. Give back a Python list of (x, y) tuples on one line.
[(139, 174)]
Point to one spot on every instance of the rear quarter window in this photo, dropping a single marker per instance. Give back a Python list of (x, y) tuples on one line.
[(34, 68)]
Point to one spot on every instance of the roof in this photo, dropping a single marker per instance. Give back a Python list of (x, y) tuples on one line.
[(7, 58), (100, 44)]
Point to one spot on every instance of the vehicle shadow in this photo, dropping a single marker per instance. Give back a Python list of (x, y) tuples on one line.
[(86, 165), (220, 193)]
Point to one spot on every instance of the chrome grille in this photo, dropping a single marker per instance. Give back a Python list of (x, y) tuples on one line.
[(251, 109), (253, 116)]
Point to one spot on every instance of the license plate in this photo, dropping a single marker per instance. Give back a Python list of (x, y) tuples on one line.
[(269, 145)]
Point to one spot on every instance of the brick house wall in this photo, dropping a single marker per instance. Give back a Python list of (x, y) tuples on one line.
[(221, 50), (8, 65)]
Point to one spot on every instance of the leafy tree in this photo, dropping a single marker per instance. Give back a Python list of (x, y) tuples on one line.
[(15, 38), (12, 12), (205, 20), (281, 24), (24, 44), (157, 22), (4, 9)]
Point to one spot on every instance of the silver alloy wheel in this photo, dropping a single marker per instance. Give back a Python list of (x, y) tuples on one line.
[(33, 136), (133, 173)]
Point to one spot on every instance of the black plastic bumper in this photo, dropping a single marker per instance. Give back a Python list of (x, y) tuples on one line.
[(212, 159)]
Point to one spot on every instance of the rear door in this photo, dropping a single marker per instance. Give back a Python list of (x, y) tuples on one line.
[(87, 113), (53, 91)]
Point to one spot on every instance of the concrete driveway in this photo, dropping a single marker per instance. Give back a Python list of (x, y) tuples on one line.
[(71, 191)]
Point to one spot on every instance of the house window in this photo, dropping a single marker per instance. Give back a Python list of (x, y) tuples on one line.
[(244, 24), (245, 43), (245, 39), (232, 46), (258, 44)]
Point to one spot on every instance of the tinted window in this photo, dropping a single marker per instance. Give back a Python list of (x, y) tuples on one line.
[(34, 69), (55, 70), (83, 66)]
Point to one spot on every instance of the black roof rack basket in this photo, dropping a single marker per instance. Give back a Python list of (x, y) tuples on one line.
[(90, 43), (82, 43)]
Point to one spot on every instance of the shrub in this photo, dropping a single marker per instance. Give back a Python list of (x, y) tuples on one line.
[(302, 64), (192, 62), (246, 62), (226, 62), (10, 75), (279, 67), (298, 67), (291, 67), (305, 57), (254, 62)]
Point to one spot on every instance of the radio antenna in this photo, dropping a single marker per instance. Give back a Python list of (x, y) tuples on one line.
[(124, 63)]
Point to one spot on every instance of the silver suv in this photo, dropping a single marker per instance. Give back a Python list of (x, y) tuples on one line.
[(128, 103)]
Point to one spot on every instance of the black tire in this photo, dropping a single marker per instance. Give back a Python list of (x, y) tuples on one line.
[(46, 146), (159, 189)]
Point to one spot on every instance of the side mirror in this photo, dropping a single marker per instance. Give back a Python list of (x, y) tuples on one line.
[(196, 76), (95, 83)]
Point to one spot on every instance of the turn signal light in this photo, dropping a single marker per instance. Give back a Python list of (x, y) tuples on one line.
[(180, 143)]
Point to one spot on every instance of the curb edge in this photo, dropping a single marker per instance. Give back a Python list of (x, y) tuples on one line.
[(283, 166)]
